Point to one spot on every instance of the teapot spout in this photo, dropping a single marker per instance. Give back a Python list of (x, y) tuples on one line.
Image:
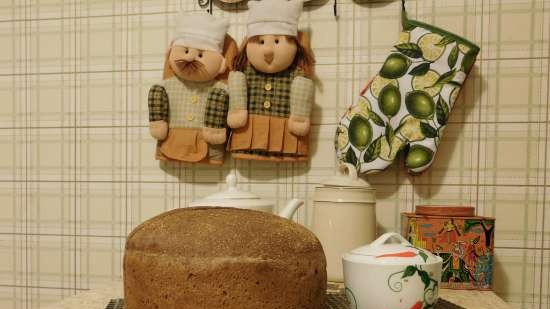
[(291, 208)]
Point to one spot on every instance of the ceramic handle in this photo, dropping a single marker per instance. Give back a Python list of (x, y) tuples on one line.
[(352, 171), (382, 239)]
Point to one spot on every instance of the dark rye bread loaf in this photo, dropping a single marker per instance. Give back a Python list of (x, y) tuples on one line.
[(206, 258)]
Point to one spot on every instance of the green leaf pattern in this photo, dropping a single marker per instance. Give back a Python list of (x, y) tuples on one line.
[(425, 278), (445, 41), (409, 271), (351, 157), (428, 130), (411, 50), (421, 69), (376, 119), (397, 280), (397, 128), (442, 111), (445, 78), (453, 57), (423, 255), (373, 151), (390, 133)]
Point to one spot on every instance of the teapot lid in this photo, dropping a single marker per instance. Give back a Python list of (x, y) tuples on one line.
[(347, 177), (232, 197), (382, 253)]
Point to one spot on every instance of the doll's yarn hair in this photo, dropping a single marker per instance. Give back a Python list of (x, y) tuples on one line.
[(303, 61), (230, 50)]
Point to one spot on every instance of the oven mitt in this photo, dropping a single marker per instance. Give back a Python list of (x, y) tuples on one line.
[(407, 105)]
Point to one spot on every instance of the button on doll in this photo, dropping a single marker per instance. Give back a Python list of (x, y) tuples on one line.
[(271, 89), (188, 109)]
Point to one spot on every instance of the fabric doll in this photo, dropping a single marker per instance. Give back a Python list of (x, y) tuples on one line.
[(188, 109), (271, 90), (407, 105)]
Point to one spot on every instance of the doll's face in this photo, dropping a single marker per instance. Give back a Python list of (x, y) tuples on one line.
[(194, 64), (271, 53)]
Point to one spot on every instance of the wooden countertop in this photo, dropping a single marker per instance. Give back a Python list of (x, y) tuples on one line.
[(99, 298)]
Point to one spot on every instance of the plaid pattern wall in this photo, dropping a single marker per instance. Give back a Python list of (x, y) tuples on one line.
[(77, 171)]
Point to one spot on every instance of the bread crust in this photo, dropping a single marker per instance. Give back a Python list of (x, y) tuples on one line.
[(223, 258)]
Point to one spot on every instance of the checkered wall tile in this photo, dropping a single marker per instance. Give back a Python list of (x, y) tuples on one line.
[(77, 171)]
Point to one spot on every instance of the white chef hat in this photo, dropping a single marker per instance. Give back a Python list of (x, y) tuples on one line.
[(201, 31), (274, 17)]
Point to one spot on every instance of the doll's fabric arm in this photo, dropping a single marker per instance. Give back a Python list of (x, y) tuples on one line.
[(158, 112), (238, 111), (158, 103), (302, 92), (217, 103)]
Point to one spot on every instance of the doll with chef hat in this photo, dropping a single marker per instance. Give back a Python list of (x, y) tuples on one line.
[(188, 109), (271, 90)]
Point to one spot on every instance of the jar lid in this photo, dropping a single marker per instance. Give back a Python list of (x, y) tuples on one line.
[(381, 253), (347, 178), (232, 197)]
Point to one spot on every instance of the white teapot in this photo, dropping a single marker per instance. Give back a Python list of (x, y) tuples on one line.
[(236, 198)]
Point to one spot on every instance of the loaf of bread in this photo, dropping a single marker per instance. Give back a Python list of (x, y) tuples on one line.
[(210, 258)]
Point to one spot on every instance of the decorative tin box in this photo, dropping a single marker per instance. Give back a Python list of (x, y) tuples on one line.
[(463, 240)]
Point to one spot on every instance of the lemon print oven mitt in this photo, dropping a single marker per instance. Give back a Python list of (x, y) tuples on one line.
[(407, 105)]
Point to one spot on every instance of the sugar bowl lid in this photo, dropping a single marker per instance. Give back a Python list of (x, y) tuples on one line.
[(232, 197), (381, 253), (346, 178)]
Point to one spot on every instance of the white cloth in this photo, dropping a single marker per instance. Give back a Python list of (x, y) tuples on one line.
[(278, 17), (201, 31)]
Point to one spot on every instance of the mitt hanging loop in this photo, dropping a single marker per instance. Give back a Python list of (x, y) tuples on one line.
[(404, 17)]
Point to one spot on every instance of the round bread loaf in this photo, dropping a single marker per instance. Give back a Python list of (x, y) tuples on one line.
[(195, 258)]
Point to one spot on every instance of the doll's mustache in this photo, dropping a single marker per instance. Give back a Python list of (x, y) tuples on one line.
[(190, 67)]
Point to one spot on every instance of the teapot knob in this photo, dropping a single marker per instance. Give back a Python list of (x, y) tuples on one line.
[(231, 181)]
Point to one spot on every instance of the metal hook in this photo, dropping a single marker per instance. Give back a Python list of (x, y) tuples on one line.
[(206, 3), (335, 8)]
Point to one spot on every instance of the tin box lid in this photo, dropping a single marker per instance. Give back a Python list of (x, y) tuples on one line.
[(346, 178), (445, 211), (381, 253), (232, 197)]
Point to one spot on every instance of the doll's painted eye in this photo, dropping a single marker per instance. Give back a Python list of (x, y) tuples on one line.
[(200, 55), (276, 41), (262, 42), (187, 51)]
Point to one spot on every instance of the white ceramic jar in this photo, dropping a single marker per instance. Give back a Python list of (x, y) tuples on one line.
[(344, 217), (392, 275)]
